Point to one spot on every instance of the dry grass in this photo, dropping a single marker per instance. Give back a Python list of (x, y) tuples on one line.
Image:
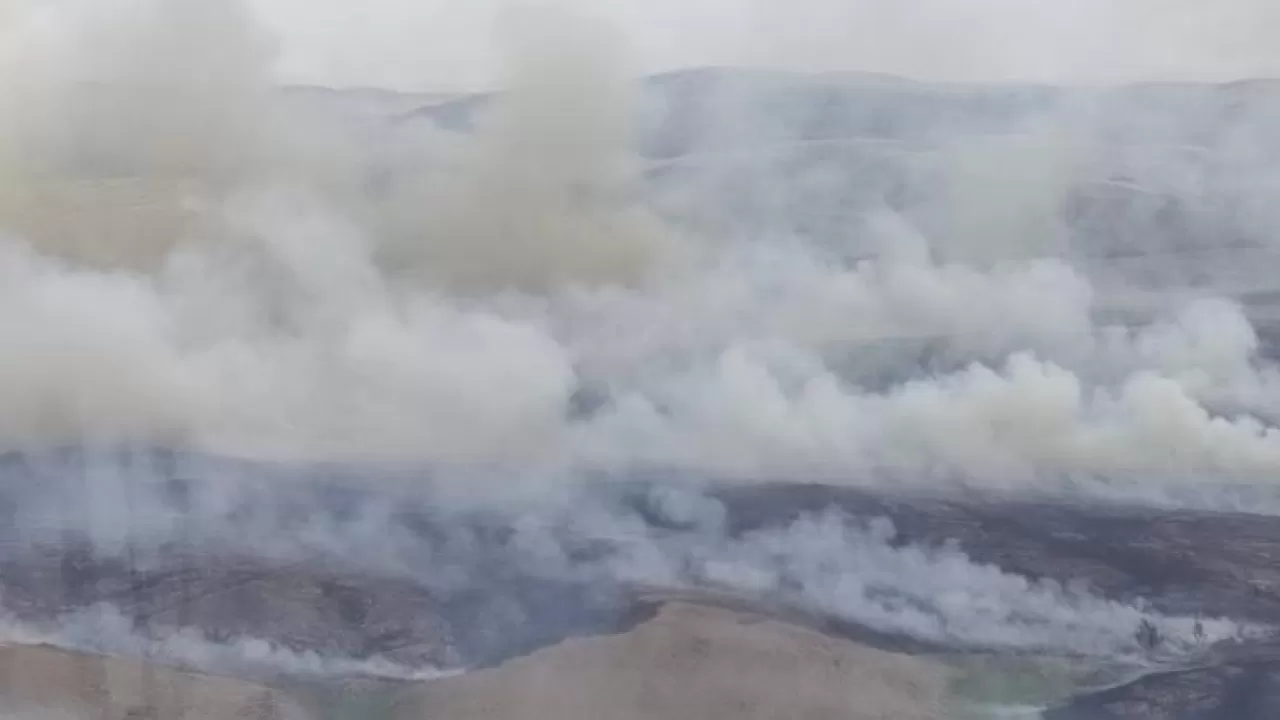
[(41, 682), (693, 662)]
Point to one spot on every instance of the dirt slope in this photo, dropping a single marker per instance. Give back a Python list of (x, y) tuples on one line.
[(692, 662), (41, 682)]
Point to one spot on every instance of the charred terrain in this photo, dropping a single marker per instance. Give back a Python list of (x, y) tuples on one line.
[(472, 600)]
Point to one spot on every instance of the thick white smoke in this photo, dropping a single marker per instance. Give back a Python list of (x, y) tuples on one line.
[(187, 260), (103, 629), (188, 264), (544, 197), (856, 572)]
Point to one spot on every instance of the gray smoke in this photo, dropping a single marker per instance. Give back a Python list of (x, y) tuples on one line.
[(532, 297)]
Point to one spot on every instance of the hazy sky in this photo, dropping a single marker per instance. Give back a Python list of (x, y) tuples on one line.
[(450, 43)]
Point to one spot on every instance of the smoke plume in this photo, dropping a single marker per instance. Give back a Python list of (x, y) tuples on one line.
[(524, 291)]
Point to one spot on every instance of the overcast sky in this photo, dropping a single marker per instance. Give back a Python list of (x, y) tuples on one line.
[(451, 44), (425, 44)]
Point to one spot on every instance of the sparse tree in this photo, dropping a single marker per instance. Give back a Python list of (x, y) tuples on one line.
[(1148, 635)]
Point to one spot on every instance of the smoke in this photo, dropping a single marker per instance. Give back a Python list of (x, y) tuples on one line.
[(972, 41), (501, 581), (192, 263), (860, 573), (518, 294), (104, 630), (184, 228), (543, 197)]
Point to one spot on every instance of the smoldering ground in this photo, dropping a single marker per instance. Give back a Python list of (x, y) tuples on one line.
[(338, 571)]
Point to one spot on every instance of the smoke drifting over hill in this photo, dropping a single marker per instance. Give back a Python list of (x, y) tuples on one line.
[(529, 297), (188, 262)]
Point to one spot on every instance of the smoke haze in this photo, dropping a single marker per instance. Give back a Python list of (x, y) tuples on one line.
[(529, 297), (434, 44), (190, 261)]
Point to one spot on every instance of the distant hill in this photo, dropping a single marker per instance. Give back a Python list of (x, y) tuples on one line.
[(1126, 170)]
